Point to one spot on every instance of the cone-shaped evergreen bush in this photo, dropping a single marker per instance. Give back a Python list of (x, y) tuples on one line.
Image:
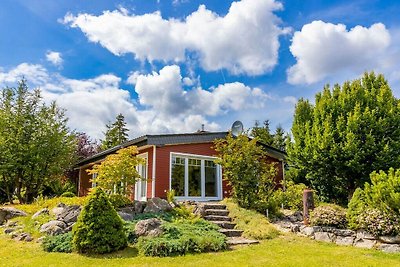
[(99, 228)]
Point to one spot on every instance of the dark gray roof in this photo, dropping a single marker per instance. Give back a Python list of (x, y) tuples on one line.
[(173, 139)]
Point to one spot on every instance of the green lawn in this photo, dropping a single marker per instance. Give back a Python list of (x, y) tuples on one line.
[(286, 250)]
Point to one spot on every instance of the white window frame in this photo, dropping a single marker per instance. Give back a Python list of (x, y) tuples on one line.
[(186, 156), (94, 176), (137, 184)]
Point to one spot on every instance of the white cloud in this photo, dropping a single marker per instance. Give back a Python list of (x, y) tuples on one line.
[(324, 49), (54, 57), (245, 40), (34, 73)]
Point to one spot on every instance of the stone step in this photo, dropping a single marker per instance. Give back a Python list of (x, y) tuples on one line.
[(224, 224), (231, 232), (214, 206), (217, 218), (232, 241), (217, 212)]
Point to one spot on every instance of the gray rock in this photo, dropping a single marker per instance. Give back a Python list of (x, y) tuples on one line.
[(11, 224), (324, 236), (390, 239), (23, 237), (125, 216), (28, 238), (389, 248), (44, 211), (157, 204), (150, 227), (40, 239), (365, 235), (365, 243), (7, 213), (199, 210), (54, 227), (69, 214), (58, 209), (295, 228), (139, 206), (9, 231), (308, 231), (344, 232), (345, 240)]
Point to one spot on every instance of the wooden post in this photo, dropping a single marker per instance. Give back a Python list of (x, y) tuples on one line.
[(308, 204)]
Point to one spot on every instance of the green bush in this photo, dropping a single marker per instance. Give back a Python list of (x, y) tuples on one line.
[(99, 228), (68, 194), (181, 237), (119, 201), (292, 197), (58, 243), (381, 198), (329, 215)]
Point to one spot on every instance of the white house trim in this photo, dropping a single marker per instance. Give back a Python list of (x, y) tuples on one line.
[(153, 174)]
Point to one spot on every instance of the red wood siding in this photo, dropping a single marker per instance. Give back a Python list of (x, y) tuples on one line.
[(84, 181)]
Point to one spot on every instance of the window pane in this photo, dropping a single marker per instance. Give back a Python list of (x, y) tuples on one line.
[(194, 178), (210, 178), (178, 176)]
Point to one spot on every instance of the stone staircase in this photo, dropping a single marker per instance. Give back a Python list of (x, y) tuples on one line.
[(217, 213)]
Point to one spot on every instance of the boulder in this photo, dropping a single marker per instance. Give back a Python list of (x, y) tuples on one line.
[(9, 230), (324, 236), (8, 213), (199, 210), (365, 243), (150, 227), (58, 209), (23, 237), (54, 227), (389, 248), (365, 235), (139, 206), (308, 231), (344, 240), (344, 232), (69, 214), (157, 204), (126, 216), (390, 239), (44, 211)]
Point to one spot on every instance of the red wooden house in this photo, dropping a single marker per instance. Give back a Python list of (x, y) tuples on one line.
[(183, 162)]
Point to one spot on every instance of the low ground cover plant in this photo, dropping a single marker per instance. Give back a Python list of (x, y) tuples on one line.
[(58, 243), (254, 224), (329, 215)]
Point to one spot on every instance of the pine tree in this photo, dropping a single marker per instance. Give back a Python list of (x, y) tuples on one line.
[(116, 133), (279, 139), (262, 132)]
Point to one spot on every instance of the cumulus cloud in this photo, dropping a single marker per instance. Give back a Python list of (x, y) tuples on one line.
[(54, 58), (245, 40), (323, 49)]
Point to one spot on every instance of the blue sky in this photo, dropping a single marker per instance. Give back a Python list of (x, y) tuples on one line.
[(170, 66)]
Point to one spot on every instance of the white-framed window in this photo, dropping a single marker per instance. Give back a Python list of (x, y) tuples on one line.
[(94, 176), (195, 177)]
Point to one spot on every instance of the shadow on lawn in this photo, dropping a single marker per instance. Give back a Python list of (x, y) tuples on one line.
[(129, 252)]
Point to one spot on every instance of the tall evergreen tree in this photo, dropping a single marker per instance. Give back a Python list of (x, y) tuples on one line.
[(262, 132), (279, 138), (351, 131), (116, 133)]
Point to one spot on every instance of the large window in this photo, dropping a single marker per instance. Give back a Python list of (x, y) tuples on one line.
[(194, 177)]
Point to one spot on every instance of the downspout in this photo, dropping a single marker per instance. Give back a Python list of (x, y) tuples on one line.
[(153, 174)]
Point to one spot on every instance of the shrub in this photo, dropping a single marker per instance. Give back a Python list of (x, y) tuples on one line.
[(329, 215), (181, 237), (119, 201), (171, 195), (253, 224), (292, 197), (99, 229), (68, 194), (379, 222), (58, 243)]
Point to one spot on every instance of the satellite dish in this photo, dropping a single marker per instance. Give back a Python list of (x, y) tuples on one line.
[(237, 128)]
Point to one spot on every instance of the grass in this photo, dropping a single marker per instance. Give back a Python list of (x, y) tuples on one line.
[(286, 250), (254, 224)]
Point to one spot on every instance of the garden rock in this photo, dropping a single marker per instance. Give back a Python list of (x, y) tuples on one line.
[(23, 237), (150, 227), (389, 248), (324, 236), (345, 240), (54, 227), (308, 231), (69, 214), (9, 213), (58, 209), (157, 205), (365, 243), (365, 235), (344, 232), (126, 216), (139, 206), (390, 239), (44, 211), (9, 231), (199, 210)]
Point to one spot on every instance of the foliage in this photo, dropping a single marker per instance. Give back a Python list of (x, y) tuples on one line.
[(59, 187), (171, 195), (32, 225), (58, 243), (44, 202), (99, 229), (279, 138), (183, 236), (86, 147), (116, 133), (253, 224), (118, 170), (68, 194), (292, 197), (382, 198), (329, 215), (262, 132), (350, 131), (35, 143), (119, 201), (246, 170)]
